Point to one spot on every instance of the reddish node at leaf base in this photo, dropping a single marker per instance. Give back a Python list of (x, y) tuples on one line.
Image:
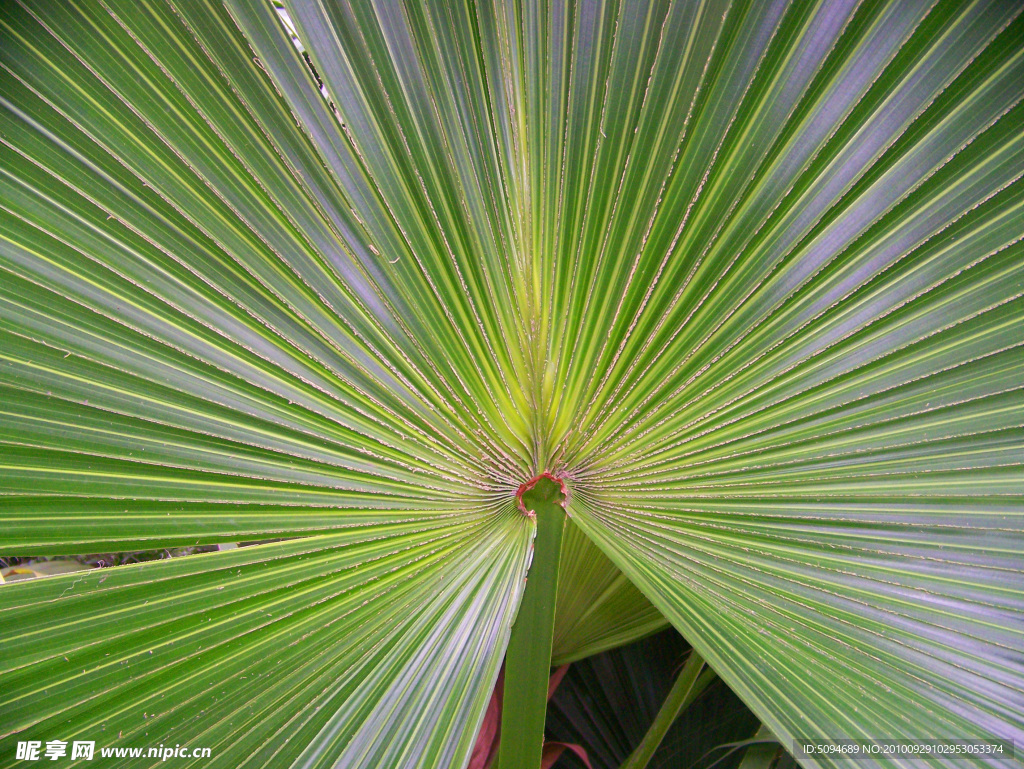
[(525, 487)]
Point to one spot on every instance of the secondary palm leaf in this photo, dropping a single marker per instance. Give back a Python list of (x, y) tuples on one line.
[(747, 275), (607, 702)]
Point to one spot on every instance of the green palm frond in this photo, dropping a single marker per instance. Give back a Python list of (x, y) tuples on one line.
[(748, 277), (610, 701)]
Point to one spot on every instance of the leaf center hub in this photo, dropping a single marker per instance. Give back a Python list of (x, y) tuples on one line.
[(545, 487)]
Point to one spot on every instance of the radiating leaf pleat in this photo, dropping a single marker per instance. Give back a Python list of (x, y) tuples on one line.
[(789, 338), (296, 651)]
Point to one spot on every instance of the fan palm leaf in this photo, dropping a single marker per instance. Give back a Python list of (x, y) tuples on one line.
[(748, 277)]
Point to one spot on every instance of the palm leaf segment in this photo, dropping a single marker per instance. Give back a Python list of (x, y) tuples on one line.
[(747, 275)]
